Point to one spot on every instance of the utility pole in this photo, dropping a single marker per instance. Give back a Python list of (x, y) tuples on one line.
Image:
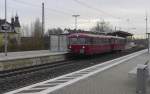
[(146, 19), (6, 41), (75, 16), (43, 19)]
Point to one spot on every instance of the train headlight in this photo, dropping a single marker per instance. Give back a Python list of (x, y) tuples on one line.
[(83, 47), (70, 47)]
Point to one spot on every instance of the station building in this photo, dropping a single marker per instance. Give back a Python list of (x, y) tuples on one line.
[(13, 32)]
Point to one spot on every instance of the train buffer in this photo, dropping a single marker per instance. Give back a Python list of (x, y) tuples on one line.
[(110, 77)]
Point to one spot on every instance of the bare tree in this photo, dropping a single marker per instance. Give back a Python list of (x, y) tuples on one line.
[(37, 29), (101, 26), (56, 31), (37, 34), (26, 31)]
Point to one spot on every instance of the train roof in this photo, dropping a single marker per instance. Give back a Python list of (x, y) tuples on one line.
[(73, 35), (116, 37), (87, 35)]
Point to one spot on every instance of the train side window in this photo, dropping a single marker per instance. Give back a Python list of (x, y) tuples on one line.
[(99, 41), (109, 41), (113, 41), (93, 41), (96, 41), (105, 41), (102, 41), (88, 41)]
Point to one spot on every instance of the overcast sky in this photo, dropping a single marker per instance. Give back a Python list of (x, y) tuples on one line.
[(126, 14)]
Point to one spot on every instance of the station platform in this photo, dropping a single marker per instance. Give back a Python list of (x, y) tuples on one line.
[(112, 81), (110, 77), (16, 60), (27, 54)]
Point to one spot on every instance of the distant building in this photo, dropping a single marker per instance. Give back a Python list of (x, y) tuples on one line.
[(13, 32), (121, 34)]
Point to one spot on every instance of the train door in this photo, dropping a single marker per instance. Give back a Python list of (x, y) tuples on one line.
[(112, 42)]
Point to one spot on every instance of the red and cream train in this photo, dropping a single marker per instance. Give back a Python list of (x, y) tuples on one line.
[(90, 44)]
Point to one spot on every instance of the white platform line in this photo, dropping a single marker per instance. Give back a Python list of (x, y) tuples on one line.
[(125, 58)]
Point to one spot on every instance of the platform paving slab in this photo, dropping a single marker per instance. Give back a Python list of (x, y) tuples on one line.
[(111, 81)]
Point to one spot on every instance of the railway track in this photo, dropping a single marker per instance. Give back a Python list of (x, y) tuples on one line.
[(22, 71), (28, 70)]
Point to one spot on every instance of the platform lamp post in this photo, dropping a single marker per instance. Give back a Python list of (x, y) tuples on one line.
[(75, 16), (148, 42)]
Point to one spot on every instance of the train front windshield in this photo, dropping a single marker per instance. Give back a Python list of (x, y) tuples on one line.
[(76, 41)]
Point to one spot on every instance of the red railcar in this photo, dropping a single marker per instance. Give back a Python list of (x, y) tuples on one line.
[(89, 44)]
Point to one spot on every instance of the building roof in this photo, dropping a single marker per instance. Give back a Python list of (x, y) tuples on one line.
[(120, 34), (83, 35), (84, 31)]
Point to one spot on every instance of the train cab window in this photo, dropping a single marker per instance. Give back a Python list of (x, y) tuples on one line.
[(73, 41), (77, 40)]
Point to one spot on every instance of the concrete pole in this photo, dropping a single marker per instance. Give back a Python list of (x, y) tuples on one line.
[(43, 20), (6, 41)]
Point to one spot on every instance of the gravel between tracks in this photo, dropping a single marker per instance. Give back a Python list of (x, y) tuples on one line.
[(11, 83)]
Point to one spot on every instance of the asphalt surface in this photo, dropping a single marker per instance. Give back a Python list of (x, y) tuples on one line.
[(15, 82)]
